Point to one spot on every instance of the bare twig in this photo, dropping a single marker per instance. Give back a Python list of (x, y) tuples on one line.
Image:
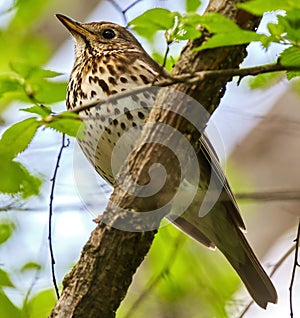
[(195, 78), (64, 144), (295, 265), (124, 11), (284, 195)]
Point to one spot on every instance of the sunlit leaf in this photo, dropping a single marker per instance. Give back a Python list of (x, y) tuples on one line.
[(17, 137), (40, 305), (263, 81), (9, 84), (6, 230), (15, 178), (67, 123), (48, 92), (217, 23), (31, 266), (152, 21), (291, 58), (5, 279), (259, 7), (235, 38), (27, 70), (7, 308), (192, 5), (43, 111)]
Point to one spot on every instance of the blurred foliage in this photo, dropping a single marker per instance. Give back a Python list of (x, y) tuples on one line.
[(187, 280), (37, 306)]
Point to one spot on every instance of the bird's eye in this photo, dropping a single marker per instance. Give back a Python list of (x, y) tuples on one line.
[(109, 34)]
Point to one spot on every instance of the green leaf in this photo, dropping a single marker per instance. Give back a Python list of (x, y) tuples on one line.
[(6, 230), (291, 58), (15, 178), (185, 27), (7, 308), (67, 123), (49, 92), (291, 26), (192, 5), (9, 84), (259, 7), (5, 280), (152, 21), (235, 38), (40, 305), (31, 266), (17, 137), (27, 71), (42, 110), (264, 81), (217, 23)]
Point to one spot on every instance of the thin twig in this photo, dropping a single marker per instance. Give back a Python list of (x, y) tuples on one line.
[(124, 11), (295, 265), (270, 195), (165, 271), (64, 144), (274, 270), (194, 78)]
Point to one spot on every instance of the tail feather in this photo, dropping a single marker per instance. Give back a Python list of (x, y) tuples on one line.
[(253, 275), (218, 229)]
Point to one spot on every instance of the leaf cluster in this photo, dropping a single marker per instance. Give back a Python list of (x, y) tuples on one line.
[(224, 32)]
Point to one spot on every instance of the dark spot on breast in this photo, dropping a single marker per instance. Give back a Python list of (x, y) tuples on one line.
[(119, 135), (123, 79), (102, 118), (144, 79), (101, 69), (107, 130), (141, 115), (146, 95), (134, 125), (115, 122), (112, 93), (111, 69), (123, 126), (112, 80), (144, 105), (117, 111), (133, 77), (128, 114), (103, 85), (135, 98), (93, 93), (120, 68)]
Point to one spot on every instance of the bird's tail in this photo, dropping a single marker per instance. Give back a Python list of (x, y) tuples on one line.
[(241, 257), (253, 275)]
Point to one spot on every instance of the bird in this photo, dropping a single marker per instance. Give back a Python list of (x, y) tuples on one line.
[(109, 61)]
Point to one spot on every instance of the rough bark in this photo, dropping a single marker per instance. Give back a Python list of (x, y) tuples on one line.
[(99, 281)]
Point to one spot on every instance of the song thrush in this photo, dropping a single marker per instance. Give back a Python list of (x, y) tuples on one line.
[(109, 60)]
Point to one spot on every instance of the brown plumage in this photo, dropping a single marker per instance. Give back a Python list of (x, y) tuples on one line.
[(109, 60)]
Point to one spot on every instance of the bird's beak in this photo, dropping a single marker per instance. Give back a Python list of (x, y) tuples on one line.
[(74, 27)]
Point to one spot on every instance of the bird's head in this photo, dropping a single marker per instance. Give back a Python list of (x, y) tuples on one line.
[(99, 37)]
